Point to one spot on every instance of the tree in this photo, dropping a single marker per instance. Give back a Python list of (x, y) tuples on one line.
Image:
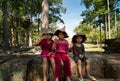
[(45, 15), (91, 31), (5, 25), (22, 18), (102, 12), (109, 29)]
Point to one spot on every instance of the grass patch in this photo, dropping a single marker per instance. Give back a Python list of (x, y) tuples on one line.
[(93, 48)]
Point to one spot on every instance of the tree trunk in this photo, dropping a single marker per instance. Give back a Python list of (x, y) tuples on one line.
[(45, 14), (29, 37), (17, 33), (30, 28), (100, 36), (106, 28), (5, 25), (12, 36), (29, 33), (109, 29), (17, 38), (38, 24)]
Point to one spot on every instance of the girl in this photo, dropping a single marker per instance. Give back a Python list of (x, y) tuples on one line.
[(61, 48), (46, 46), (79, 55)]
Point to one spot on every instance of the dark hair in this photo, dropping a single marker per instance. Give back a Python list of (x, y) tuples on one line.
[(59, 31), (76, 36), (47, 33)]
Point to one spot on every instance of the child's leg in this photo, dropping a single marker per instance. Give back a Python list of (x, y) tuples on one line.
[(57, 66), (79, 68), (44, 67), (87, 67), (67, 66), (52, 61), (88, 70), (56, 79)]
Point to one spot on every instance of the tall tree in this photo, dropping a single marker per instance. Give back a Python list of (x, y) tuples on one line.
[(109, 29), (21, 18), (45, 14), (101, 11), (5, 24)]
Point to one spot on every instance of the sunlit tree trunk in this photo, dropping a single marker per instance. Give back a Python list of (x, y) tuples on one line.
[(5, 25), (45, 16), (109, 29), (12, 37), (30, 28), (30, 33), (100, 35), (106, 28)]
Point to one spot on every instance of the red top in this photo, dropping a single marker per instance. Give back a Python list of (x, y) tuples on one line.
[(45, 45), (61, 46)]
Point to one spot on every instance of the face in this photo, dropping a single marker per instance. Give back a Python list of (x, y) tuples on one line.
[(79, 39), (61, 36), (48, 36)]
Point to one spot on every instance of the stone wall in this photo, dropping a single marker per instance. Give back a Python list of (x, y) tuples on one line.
[(28, 67)]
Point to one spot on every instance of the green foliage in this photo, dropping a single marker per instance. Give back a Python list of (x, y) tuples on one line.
[(56, 9), (23, 14), (26, 24), (53, 27), (93, 34), (83, 28), (0, 4), (96, 10)]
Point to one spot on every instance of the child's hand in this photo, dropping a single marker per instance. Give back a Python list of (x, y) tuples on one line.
[(55, 38), (43, 37), (81, 55), (50, 53), (34, 44)]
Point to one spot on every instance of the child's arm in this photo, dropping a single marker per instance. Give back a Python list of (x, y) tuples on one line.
[(54, 47), (83, 49), (39, 42)]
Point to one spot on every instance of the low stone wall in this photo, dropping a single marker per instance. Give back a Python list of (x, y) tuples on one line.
[(28, 68)]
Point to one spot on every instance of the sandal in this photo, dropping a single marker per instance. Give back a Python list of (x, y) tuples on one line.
[(81, 79), (92, 78)]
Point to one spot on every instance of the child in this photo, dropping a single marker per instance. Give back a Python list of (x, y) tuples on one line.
[(79, 55), (61, 48), (46, 46)]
